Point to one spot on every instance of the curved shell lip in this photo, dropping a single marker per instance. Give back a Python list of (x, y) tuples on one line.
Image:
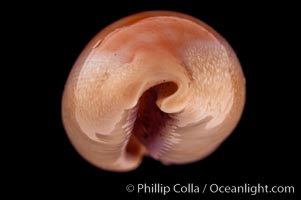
[(95, 163)]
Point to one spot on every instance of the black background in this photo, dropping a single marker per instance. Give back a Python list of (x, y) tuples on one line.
[(262, 149)]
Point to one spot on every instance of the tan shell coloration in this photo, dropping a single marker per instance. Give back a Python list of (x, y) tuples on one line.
[(159, 84)]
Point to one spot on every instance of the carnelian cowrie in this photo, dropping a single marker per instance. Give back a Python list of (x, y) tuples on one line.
[(159, 84)]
